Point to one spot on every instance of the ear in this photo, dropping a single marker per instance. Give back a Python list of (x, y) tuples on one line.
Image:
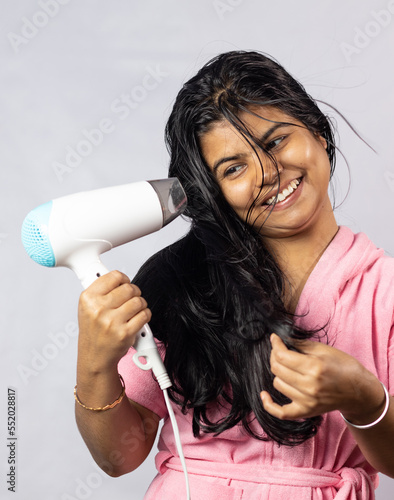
[(322, 141)]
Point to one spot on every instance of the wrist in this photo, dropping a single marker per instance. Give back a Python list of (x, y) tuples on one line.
[(106, 407), (97, 389), (373, 408), (96, 366), (96, 360)]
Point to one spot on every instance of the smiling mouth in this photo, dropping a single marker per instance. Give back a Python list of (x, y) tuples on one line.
[(285, 193)]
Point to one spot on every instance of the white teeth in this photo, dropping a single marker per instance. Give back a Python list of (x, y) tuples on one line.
[(285, 193)]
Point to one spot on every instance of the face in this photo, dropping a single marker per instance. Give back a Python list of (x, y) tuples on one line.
[(300, 179)]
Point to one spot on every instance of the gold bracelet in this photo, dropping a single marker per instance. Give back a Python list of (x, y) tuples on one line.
[(104, 408)]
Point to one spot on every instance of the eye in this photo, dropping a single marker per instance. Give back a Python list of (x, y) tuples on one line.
[(274, 144), (234, 170)]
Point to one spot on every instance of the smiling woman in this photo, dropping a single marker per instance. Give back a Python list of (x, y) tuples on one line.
[(246, 309), (293, 180), (279, 186)]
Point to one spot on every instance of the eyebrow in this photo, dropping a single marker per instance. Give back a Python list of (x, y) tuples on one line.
[(225, 160), (270, 131)]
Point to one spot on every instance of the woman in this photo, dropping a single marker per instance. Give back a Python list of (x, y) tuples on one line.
[(275, 325)]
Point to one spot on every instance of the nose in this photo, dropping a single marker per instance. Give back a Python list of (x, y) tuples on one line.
[(271, 173), (267, 178)]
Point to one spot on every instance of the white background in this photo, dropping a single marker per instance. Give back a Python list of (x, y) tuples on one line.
[(64, 78)]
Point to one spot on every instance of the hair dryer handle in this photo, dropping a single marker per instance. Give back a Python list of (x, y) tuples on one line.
[(146, 349), (87, 273), (144, 344)]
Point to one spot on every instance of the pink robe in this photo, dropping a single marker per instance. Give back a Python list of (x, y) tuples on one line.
[(352, 286)]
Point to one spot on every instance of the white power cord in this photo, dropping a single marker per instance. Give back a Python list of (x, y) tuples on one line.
[(177, 441), (146, 349)]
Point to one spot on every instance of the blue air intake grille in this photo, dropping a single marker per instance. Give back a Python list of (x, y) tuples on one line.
[(35, 237)]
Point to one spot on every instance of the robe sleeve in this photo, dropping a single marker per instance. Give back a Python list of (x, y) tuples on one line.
[(141, 386)]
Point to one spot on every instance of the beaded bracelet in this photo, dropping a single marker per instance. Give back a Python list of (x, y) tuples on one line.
[(367, 426), (103, 408)]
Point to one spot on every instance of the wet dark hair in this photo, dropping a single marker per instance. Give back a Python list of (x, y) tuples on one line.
[(216, 295)]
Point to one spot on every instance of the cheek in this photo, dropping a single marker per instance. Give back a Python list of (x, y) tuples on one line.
[(238, 194), (309, 154), (300, 154)]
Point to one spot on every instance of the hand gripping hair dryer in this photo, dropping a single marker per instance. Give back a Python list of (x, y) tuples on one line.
[(74, 230)]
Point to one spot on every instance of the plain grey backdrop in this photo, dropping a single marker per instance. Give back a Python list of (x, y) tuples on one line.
[(86, 88)]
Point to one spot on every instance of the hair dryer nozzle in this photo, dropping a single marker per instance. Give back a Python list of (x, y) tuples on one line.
[(172, 198)]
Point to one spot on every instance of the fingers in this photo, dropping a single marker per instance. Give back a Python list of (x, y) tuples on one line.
[(111, 312), (287, 365), (108, 282), (110, 292), (282, 356), (134, 314), (285, 412), (294, 374), (125, 300), (121, 294), (317, 380), (291, 384)]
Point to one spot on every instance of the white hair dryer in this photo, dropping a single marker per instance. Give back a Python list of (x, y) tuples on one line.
[(74, 230)]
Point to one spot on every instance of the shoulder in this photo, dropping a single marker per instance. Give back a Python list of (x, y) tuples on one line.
[(379, 279), (367, 293), (353, 257), (372, 264), (371, 270)]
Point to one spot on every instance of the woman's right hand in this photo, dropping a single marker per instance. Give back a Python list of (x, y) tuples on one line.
[(110, 314)]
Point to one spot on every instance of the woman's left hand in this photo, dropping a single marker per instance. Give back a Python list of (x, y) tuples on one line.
[(318, 380)]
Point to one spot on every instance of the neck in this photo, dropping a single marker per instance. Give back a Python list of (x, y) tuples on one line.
[(298, 254)]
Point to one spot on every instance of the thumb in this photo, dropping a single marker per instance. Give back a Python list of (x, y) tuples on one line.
[(266, 400)]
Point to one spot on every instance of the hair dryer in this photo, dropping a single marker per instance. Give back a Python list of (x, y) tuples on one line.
[(72, 231)]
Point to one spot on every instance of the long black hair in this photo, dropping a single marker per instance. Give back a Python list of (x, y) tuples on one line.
[(217, 294)]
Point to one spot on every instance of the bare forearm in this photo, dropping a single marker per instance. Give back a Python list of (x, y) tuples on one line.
[(110, 313), (323, 379), (377, 442), (118, 439)]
